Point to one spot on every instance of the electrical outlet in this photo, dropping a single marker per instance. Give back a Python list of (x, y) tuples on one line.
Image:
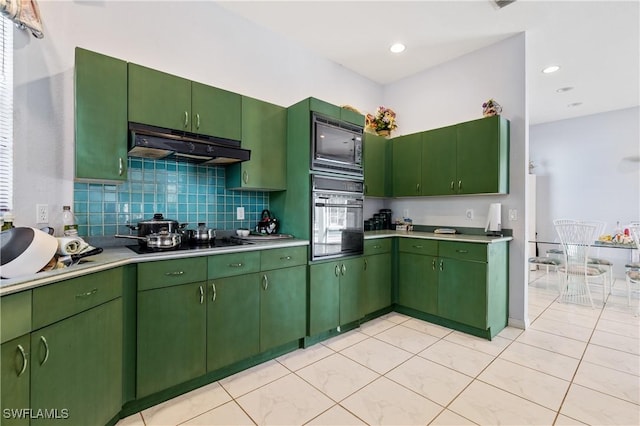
[(240, 213), (469, 214), (513, 214), (42, 213)]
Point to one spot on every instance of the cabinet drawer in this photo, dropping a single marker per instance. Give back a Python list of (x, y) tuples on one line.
[(419, 246), (15, 315), (164, 273), (56, 301), (282, 258), (228, 265), (464, 251), (376, 246)]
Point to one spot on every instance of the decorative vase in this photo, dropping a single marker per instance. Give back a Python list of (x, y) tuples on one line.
[(384, 133)]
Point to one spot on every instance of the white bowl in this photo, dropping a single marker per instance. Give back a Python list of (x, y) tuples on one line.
[(242, 232)]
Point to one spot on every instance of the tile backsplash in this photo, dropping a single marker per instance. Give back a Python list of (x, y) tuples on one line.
[(180, 191)]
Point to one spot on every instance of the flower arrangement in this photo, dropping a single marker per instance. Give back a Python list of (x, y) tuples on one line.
[(491, 108), (383, 120)]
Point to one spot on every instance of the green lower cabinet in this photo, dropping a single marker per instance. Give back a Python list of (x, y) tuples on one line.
[(76, 368), (462, 293), (171, 336), (375, 293), (233, 320), (418, 282), (15, 377), (350, 278), (283, 306)]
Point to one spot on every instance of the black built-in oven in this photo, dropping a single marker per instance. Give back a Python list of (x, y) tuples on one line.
[(337, 222), (336, 146)]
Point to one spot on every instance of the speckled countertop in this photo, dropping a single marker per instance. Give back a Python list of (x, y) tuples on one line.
[(465, 238)]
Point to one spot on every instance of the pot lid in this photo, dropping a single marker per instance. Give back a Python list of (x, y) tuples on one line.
[(157, 218)]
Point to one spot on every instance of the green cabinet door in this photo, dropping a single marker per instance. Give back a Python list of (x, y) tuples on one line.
[(171, 336), (439, 162), (283, 307), (482, 156), (264, 132), (376, 283), (462, 292), (15, 375), (233, 320), (324, 297), (100, 116), (76, 365), (418, 282), (350, 277), (215, 112), (375, 165), (159, 99), (407, 165)]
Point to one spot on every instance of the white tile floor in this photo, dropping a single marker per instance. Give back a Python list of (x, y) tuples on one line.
[(574, 365)]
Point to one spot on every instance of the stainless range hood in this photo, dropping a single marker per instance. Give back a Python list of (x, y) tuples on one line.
[(158, 143)]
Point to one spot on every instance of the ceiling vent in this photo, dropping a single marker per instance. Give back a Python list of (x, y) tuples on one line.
[(503, 3)]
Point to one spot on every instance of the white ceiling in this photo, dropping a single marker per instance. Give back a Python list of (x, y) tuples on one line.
[(595, 42)]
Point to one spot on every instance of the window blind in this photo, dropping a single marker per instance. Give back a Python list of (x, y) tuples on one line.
[(6, 115)]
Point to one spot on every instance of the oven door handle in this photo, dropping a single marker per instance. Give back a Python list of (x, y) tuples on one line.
[(347, 206)]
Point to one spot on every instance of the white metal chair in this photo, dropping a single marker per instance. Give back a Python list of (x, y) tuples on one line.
[(632, 269), (600, 262), (576, 238)]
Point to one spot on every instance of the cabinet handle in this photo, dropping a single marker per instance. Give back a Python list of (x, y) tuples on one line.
[(417, 187), (336, 270), (365, 264), (87, 294), (214, 293), (245, 177), (186, 118), (201, 295), (442, 265), (462, 251), (120, 166), (459, 185), (377, 246), (197, 120), (24, 360), (46, 349), (453, 185), (236, 265), (265, 282), (285, 258), (433, 264), (418, 246), (343, 269), (174, 273)]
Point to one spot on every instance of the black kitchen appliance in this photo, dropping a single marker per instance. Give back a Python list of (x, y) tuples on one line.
[(336, 146)]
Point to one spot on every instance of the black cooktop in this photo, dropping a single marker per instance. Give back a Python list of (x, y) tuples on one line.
[(216, 243)]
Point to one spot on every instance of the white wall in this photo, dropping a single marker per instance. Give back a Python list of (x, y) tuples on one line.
[(200, 41), (453, 93), (585, 170)]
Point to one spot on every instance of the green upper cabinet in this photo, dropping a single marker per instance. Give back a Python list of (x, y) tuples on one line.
[(334, 111), (376, 165), (100, 117), (164, 100), (483, 156), (439, 161), (159, 99), (264, 132), (407, 165), (216, 112)]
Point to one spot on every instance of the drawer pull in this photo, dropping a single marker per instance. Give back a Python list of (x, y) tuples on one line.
[(377, 246), (285, 258), (236, 265), (201, 295), (87, 294), (462, 251), (265, 282), (418, 246), (174, 274), (214, 293), (46, 349), (24, 360)]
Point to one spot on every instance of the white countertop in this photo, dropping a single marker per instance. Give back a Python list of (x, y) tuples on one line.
[(465, 238), (119, 256)]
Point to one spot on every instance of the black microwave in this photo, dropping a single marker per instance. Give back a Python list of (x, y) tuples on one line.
[(336, 146)]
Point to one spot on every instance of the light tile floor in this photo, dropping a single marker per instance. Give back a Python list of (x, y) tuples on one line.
[(574, 365)]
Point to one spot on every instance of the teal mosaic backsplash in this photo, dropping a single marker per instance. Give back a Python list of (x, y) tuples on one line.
[(180, 191)]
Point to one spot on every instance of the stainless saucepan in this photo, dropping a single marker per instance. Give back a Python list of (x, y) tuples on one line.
[(160, 240)]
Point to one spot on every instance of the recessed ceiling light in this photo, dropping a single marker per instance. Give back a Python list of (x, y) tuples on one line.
[(564, 89), (574, 104), (397, 47), (550, 69)]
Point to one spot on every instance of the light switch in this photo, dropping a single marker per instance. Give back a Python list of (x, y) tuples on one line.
[(513, 214), (240, 213)]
